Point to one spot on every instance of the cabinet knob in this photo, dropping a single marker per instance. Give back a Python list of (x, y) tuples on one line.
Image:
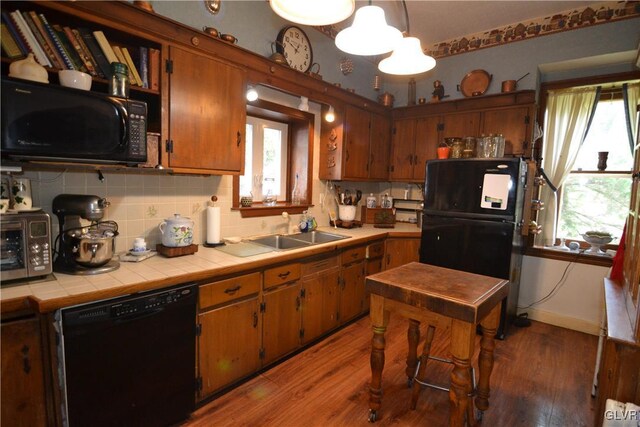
[(195, 41)]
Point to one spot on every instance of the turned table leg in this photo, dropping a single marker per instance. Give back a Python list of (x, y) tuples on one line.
[(462, 341), (413, 338), (485, 360), (379, 322)]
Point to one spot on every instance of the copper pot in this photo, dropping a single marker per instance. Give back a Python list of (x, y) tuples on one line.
[(509, 85), (386, 99)]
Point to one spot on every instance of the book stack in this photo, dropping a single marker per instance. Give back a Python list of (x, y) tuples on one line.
[(64, 48)]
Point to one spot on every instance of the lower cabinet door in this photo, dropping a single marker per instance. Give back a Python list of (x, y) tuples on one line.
[(320, 304), (229, 345), (281, 321), (352, 297), (23, 390)]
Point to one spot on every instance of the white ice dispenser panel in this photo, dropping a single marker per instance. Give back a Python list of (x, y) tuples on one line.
[(495, 191)]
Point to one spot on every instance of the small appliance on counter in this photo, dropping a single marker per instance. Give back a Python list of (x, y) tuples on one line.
[(25, 245), (84, 249)]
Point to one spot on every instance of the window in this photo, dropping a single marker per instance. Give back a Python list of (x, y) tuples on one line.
[(265, 167), (591, 199), (278, 154)]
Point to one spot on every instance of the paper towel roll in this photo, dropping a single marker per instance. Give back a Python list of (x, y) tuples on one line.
[(213, 224)]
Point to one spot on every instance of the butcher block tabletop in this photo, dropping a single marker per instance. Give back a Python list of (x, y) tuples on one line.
[(457, 294)]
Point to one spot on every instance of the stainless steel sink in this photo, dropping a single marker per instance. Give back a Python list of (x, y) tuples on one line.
[(295, 241), (316, 237), (280, 243)]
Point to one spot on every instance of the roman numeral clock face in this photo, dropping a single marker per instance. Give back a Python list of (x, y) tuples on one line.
[(294, 44)]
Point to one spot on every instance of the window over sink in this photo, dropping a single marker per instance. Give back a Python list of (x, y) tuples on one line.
[(278, 155)]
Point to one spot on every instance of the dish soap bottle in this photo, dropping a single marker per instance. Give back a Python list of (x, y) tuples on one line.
[(304, 224), (295, 193)]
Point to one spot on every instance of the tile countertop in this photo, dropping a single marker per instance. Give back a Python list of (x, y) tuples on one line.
[(160, 272)]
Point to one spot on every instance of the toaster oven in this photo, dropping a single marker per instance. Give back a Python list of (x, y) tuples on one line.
[(25, 246)]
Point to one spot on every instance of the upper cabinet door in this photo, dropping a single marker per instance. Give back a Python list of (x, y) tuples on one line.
[(461, 125), (207, 114), (402, 150), (426, 145), (356, 134), (514, 124), (379, 150)]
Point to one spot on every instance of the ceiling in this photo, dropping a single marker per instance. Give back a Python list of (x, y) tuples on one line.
[(436, 21)]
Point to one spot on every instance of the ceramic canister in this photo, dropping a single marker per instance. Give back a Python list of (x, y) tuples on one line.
[(21, 194), (176, 231)]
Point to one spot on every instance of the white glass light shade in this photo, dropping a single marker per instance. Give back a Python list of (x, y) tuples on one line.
[(313, 12), (331, 115), (369, 34), (407, 58), (252, 94)]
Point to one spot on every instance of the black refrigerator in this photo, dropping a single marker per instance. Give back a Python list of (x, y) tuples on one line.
[(472, 221)]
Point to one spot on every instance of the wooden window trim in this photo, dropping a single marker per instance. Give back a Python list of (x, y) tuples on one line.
[(301, 133)]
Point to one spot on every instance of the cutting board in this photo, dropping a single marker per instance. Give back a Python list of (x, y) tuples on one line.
[(244, 249)]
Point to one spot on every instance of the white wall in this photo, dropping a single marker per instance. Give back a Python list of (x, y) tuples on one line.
[(578, 302)]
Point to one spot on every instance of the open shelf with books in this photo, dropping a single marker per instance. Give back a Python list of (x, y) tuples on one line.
[(61, 40)]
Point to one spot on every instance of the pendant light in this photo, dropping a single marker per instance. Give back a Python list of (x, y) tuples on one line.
[(313, 12), (252, 94), (407, 57), (369, 34)]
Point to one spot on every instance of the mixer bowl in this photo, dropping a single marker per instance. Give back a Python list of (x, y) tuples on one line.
[(92, 247)]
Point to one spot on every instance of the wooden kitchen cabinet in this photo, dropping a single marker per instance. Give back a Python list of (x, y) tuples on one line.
[(227, 354), (207, 114), (414, 141), (355, 146), (400, 251), (515, 124), (320, 296), (352, 283), (281, 321), (23, 386)]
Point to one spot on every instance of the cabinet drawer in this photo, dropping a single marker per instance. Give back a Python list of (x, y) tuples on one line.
[(229, 290), (319, 265), (375, 250), (353, 255), (283, 274)]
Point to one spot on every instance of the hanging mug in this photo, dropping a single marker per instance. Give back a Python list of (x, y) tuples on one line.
[(21, 194)]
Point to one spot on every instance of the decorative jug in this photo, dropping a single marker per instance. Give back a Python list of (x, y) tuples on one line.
[(176, 231)]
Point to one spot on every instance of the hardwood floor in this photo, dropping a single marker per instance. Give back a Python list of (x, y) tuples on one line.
[(542, 377)]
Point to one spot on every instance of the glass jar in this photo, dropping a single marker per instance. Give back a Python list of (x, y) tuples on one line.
[(484, 147), (498, 148), (119, 83), (469, 147), (456, 147)]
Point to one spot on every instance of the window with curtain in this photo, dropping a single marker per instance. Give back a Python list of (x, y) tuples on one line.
[(581, 124), (594, 199)]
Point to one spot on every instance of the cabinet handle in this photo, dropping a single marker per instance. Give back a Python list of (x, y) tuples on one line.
[(411, 159), (255, 319), (26, 364), (388, 259), (232, 291), (346, 159), (284, 275), (238, 138), (415, 160)]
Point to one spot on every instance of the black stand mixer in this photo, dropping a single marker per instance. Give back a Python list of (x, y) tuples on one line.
[(84, 249)]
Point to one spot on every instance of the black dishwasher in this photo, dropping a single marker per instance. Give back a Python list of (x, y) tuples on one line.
[(130, 361)]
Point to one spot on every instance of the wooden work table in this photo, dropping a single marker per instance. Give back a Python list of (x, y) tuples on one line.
[(443, 298)]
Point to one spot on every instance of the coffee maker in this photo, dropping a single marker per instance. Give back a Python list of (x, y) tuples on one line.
[(84, 249)]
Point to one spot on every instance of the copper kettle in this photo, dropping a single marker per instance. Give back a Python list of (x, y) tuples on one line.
[(277, 56)]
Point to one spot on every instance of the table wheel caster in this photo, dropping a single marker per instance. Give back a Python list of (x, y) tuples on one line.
[(373, 416), (479, 415), (410, 383)]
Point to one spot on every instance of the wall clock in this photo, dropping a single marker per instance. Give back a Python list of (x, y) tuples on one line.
[(294, 44)]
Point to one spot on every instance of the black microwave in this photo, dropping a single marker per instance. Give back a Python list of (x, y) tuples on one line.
[(51, 122)]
